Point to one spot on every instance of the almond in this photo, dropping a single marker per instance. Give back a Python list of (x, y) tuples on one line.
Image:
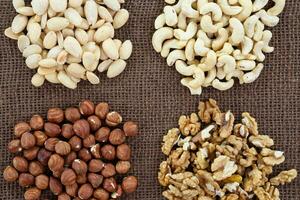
[(19, 23), (110, 49), (10, 34), (89, 60), (52, 78), (120, 18), (57, 23), (73, 47), (104, 65), (58, 5), (66, 80), (32, 49), (37, 80), (116, 68), (48, 63), (73, 16), (26, 11), (104, 14), (34, 32), (126, 50), (76, 70), (50, 40), (18, 4), (23, 42), (112, 4), (39, 6), (92, 78), (103, 33), (32, 61), (91, 12)]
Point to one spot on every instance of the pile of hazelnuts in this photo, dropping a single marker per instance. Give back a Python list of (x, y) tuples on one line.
[(78, 153)]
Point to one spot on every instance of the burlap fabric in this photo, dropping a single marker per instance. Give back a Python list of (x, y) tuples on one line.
[(150, 92)]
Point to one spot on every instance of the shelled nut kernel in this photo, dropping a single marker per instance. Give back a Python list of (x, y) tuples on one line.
[(76, 153), (66, 42)]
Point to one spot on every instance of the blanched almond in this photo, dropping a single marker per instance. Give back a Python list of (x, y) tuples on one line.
[(52, 78), (118, 43), (89, 61), (62, 57), (54, 52), (18, 4), (120, 18), (58, 5), (98, 24), (103, 66), (57, 23), (72, 46), (50, 40), (60, 39), (116, 68), (75, 3), (91, 12), (32, 61), (103, 33), (66, 80), (92, 78), (81, 36), (71, 59), (37, 80), (112, 4), (68, 32), (73, 16), (97, 52), (48, 63), (10, 34), (104, 14), (52, 13), (44, 71), (23, 42), (76, 70), (126, 50), (32, 49), (19, 23), (39, 6), (26, 11), (91, 34), (110, 49), (84, 24), (44, 19), (34, 32)]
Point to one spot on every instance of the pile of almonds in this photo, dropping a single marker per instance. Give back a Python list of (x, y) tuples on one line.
[(66, 41), (76, 154)]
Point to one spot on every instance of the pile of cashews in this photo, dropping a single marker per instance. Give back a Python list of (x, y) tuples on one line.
[(213, 41)]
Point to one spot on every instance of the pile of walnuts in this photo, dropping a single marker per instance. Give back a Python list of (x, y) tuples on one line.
[(211, 157), (76, 153)]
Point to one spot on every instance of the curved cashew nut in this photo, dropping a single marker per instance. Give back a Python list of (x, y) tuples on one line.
[(252, 76), (201, 3), (259, 30), (223, 85), (183, 69), (220, 73), (174, 56), (188, 10), (247, 10), (267, 36), (177, 7), (190, 32), (171, 16), (207, 24), (214, 9), (247, 45), (171, 44), (257, 50), (160, 21), (237, 54), (222, 37), (185, 82), (200, 48), (259, 4), (209, 62), (211, 75), (227, 49), (246, 65), (277, 8), (228, 9), (268, 20), (224, 21), (199, 78), (249, 25), (236, 73), (160, 36), (228, 62), (182, 24), (189, 50), (238, 31), (203, 36)]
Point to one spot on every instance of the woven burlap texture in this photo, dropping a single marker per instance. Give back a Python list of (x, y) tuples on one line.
[(150, 92)]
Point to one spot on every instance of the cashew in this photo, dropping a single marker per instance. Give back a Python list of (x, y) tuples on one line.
[(228, 62), (189, 50), (277, 8), (252, 76), (219, 42), (259, 30), (227, 49), (170, 16), (257, 50), (246, 65), (200, 48), (228, 9), (259, 4), (220, 73), (177, 6), (203, 36), (160, 36), (201, 3), (199, 78), (223, 85), (183, 69), (214, 9), (207, 24), (186, 81), (211, 75), (190, 32), (238, 31), (267, 36), (247, 45), (188, 10), (174, 56), (250, 24), (236, 73), (182, 24), (247, 10), (210, 61), (160, 21), (237, 54), (172, 44), (268, 20)]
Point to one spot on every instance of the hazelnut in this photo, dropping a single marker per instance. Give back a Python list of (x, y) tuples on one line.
[(82, 128), (55, 115), (72, 189), (40, 137), (31, 154), (130, 128), (108, 152), (85, 191), (108, 170), (118, 193), (32, 194), (86, 108), (68, 177), (10, 174), (27, 140), (21, 128), (70, 158), (51, 143), (14, 146), (95, 179), (72, 114), (89, 141), (81, 179), (20, 164), (67, 131), (35, 168), (62, 148), (110, 184), (95, 122), (84, 155), (101, 110), (63, 196), (57, 174), (43, 156), (101, 194), (79, 166), (95, 165), (52, 130), (102, 134), (129, 184), (117, 137), (56, 163), (37, 122), (122, 167), (55, 186), (42, 182), (123, 152), (75, 143), (95, 151), (113, 119), (26, 180)]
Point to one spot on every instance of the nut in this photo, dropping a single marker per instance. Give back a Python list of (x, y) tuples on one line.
[(26, 180), (21, 128), (31, 154), (70, 158), (44, 156), (10, 174), (63, 196), (40, 137), (72, 190), (101, 194), (35, 168), (62, 148), (108, 152), (67, 131), (55, 115), (95, 122), (95, 151), (95, 165), (14, 146), (84, 155), (86, 108), (113, 119), (109, 170), (20, 164), (55, 186), (122, 167), (102, 110), (129, 184), (123, 152), (130, 128), (75, 143), (42, 182), (27, 140), (68, 177), (81, 179), (102, 134), (81, 128), (110, 184), (32, 194), (52, 130), (72, 114), (51, 143), (56, 163), (118, 193), (95, 179), (37, 122), (117, 137), (79, 166), (85, 191), (89, 141)]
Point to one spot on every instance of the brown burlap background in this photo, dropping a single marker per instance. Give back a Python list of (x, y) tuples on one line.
[(150, 93)]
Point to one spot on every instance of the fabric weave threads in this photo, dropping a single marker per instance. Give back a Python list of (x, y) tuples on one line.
[(150, 92)]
